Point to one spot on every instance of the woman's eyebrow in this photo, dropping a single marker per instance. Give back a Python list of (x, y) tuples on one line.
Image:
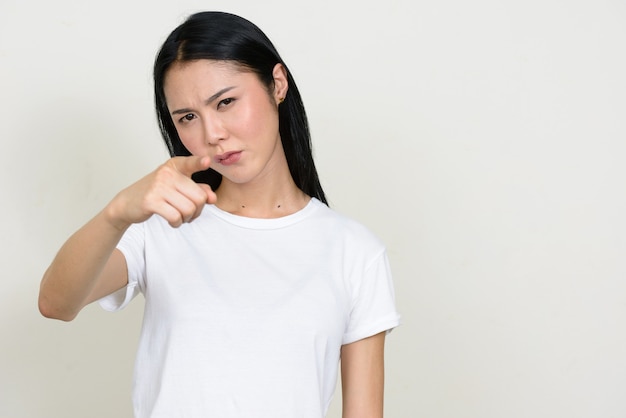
[(206, 102)]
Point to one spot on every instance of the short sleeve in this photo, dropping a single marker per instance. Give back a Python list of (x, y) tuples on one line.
[(132, 246), (373, 308)]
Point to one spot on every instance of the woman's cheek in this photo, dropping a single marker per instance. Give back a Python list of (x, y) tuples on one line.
[(190, 140)]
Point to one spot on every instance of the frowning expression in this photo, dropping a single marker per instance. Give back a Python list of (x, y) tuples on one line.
[(223, 110)]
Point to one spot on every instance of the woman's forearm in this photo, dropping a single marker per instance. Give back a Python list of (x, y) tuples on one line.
[(73, 275)]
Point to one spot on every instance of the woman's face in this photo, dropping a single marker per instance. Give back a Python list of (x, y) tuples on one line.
[(225, 112)]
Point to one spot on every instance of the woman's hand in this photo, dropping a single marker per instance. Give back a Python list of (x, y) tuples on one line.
[(88, 267), (168, 192)]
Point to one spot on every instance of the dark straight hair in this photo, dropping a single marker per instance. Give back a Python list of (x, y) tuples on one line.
[(227, 37)]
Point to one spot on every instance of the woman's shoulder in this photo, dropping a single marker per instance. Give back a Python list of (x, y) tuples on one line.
[(345, 226)]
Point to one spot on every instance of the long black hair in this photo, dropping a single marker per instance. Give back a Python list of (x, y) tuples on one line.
[(227, 37)]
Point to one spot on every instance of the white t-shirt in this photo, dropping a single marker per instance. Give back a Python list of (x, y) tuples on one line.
[(245, 317)]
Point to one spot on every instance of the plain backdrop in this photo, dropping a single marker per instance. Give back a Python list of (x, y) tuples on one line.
[(484, 142)]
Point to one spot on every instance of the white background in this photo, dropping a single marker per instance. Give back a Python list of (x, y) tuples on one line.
[(483, 141)]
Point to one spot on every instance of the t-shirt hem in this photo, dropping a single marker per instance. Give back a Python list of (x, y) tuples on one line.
[(387, 324), (119, 299)]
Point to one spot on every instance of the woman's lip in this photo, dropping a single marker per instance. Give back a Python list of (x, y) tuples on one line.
[(228, 158)]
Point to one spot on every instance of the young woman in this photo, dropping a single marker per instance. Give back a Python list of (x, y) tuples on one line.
[(254, 289)]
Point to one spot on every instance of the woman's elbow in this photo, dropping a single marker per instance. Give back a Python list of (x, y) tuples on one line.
[(53, 310)]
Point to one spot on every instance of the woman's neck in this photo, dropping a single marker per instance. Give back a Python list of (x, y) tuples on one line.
[(256, 201)]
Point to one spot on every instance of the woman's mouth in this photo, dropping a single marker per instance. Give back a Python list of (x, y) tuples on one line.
[(228, 158)]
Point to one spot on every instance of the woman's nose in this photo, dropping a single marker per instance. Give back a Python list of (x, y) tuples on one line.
[(213, 131)]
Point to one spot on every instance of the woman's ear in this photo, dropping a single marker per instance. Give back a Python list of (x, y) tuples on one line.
[(281, 85)]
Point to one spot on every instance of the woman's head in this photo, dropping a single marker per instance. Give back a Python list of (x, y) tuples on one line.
[(226, 37)]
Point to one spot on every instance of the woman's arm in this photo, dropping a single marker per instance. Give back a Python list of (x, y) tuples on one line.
[(89, 267), (362, 377), (86, 268)]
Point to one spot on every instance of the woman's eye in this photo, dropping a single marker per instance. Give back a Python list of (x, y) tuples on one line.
[(187, 117), (225, 102)]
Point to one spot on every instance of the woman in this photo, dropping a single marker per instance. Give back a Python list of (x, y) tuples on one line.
[(254, 289)]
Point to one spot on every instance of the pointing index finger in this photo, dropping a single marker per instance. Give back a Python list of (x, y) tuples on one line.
[(191, 164)]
